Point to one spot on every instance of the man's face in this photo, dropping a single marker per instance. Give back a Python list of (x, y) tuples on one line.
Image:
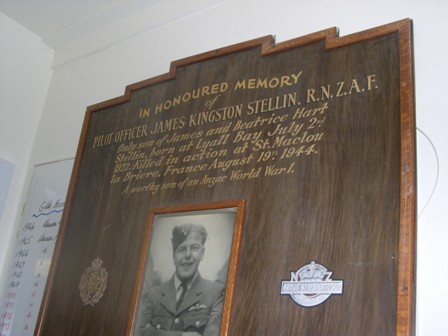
[(188, 255)]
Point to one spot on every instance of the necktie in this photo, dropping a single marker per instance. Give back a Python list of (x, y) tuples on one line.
[(182, 295)]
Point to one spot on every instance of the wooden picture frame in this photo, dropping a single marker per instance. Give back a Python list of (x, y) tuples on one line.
[(223, 222)]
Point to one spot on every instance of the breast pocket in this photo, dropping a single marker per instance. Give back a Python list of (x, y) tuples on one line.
[(162, 323), (196, 321)]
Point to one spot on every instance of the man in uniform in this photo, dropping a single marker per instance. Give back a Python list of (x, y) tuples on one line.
[(187, 304)]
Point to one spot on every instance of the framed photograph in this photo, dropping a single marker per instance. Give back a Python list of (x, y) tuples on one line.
[(188, 269)]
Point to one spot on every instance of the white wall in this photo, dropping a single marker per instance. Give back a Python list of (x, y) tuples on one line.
[(25, 73), (85, 74)]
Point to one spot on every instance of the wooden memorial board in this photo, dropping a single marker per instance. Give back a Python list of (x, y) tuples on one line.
[(309, 144)]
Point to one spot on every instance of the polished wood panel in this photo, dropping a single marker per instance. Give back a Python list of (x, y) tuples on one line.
[(316, 134)]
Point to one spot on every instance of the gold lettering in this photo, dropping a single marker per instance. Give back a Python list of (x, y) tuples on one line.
[(187, 96), (271, 104), (325, 92), (131, 133), (310, 95), (354, 86), (222, 114), (144, 113), (340, 87), (268, 83), (168, 125), (102, 140), (370, 80)]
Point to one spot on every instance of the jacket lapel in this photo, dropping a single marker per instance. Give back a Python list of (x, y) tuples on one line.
[(168, 299)]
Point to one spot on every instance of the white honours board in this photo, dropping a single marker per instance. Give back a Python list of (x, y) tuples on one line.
[(31, 257)]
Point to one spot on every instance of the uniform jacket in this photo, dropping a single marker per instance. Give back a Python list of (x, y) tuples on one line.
[(200, 310)]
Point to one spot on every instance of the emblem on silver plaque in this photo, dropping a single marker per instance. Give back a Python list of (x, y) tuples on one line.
[(311, 285), (93, 283)]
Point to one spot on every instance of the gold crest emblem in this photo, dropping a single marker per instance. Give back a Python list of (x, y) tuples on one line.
[(93, 283)]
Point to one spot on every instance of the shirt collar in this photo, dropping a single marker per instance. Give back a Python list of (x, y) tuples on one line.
[(177, 281)]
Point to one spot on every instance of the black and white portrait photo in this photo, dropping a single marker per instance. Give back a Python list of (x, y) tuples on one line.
[(184, 282)]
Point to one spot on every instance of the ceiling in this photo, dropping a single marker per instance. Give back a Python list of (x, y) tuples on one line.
[(56, 21), (78, 28)]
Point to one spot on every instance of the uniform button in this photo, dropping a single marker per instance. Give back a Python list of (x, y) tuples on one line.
[(176, 320), (198, 323), (158, 326)]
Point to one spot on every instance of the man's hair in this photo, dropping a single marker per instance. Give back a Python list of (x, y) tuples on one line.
[(180, 233)]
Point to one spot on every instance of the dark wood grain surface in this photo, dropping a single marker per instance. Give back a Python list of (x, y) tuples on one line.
[(344, 198)]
